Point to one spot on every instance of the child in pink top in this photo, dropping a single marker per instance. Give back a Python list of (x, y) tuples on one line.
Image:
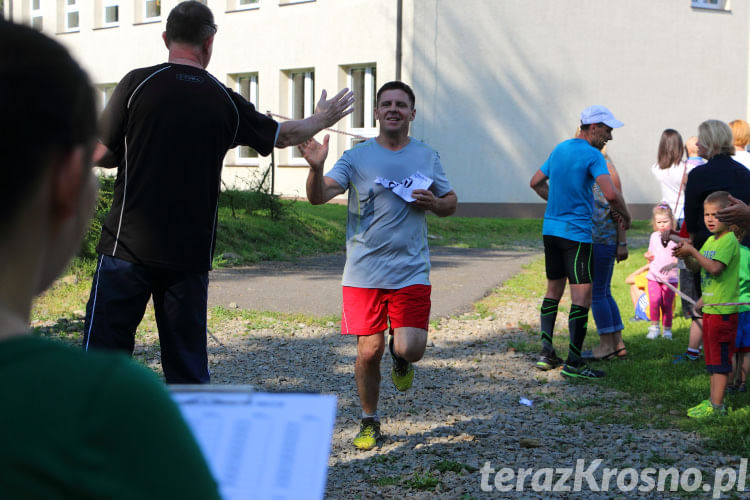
[(661, 270)]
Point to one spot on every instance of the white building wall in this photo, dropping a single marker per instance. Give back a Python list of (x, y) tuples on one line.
[(499, 82), (272, 37)]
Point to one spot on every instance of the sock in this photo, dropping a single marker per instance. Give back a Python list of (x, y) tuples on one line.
[(374, 416), (692, 353), (718, 407), (547, 318), (577, 322)]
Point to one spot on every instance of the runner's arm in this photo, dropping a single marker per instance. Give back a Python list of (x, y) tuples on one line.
[(539, 184), (320, 189)]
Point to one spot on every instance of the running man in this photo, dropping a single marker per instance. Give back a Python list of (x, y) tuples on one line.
[(571, 170), (167, 129), (386, 284)]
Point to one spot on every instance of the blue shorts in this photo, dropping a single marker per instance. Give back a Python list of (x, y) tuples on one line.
[(743, 332), (641, 307)]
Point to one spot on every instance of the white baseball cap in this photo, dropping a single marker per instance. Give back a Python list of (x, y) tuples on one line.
[(599, 114)]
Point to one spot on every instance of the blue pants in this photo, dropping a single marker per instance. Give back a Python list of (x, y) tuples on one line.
[(119, 295), (603, 305)]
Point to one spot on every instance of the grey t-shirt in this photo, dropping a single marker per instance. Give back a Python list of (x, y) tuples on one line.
[(386, 237)]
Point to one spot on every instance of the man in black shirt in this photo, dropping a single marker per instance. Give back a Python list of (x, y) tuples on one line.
[(167, 129)]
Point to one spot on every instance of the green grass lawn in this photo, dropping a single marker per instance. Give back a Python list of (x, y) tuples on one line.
[(662, 390)]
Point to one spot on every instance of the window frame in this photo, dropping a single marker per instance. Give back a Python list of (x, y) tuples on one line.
[(368, 111), (37, 13), (308, 104), (252, 97), (104, 93), (104, 5), (706, 4), (235, 5), (145, 17), (68, 9)]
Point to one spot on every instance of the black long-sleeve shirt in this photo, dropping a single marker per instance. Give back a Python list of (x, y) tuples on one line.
[(721, 173)]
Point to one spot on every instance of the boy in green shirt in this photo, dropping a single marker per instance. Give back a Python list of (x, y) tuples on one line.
[(719, 260)]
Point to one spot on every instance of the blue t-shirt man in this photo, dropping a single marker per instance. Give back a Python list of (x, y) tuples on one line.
[(565, 180), (572, 169)]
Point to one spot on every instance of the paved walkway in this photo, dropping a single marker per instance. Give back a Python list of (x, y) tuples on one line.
[(312, 285)]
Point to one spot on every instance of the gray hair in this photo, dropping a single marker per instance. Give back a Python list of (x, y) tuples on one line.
[(716, 137)]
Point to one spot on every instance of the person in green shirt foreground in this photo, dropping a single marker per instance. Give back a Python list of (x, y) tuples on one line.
[(74, 424), (719, 261)]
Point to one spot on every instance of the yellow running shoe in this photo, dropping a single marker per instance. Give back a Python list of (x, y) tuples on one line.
[(706, 411), (699, 407), (369, 434)]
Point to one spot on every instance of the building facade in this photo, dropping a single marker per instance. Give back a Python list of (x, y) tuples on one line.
[(498, 82)]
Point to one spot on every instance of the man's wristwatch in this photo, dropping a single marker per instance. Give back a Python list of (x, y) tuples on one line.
[(622, 243)]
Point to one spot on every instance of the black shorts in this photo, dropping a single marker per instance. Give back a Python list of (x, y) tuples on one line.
[(690, 285), (567, 259)]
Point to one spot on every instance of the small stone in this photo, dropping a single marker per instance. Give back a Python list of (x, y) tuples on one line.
[(529, 443), (233, 305)]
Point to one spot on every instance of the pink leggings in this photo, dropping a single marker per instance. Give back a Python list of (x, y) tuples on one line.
[(660, 297)]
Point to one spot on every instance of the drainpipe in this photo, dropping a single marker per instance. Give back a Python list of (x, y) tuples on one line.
[(399, 29)]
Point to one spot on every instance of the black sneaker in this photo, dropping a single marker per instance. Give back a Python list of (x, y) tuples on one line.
[(582, 371), (548, 361)]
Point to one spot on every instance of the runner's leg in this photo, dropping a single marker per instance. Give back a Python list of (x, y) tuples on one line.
[(367, 370)]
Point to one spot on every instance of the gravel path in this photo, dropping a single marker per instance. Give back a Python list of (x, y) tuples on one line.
[(462, 413)]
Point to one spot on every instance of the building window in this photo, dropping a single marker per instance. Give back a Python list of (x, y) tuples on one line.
[(110, 12), (362, 81), (36, 15), (710, 4), (151, 9), (242, 4), (301, 94), (289, 2), (71, 15), (104, 93), (247, 86)]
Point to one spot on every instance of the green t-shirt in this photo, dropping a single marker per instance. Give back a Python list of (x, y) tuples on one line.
[(744, 277), (91, 426), (725, 286)]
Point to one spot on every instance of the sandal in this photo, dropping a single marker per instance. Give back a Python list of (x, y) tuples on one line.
[(589, 355)]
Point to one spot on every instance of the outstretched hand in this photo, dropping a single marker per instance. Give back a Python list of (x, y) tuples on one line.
[(736, 213), (335, 108), (314, 152)]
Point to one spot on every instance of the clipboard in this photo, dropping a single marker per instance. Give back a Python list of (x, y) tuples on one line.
[(261, 445)]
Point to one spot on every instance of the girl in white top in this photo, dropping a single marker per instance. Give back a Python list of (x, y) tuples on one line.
[(741, 136), (671, 171)]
